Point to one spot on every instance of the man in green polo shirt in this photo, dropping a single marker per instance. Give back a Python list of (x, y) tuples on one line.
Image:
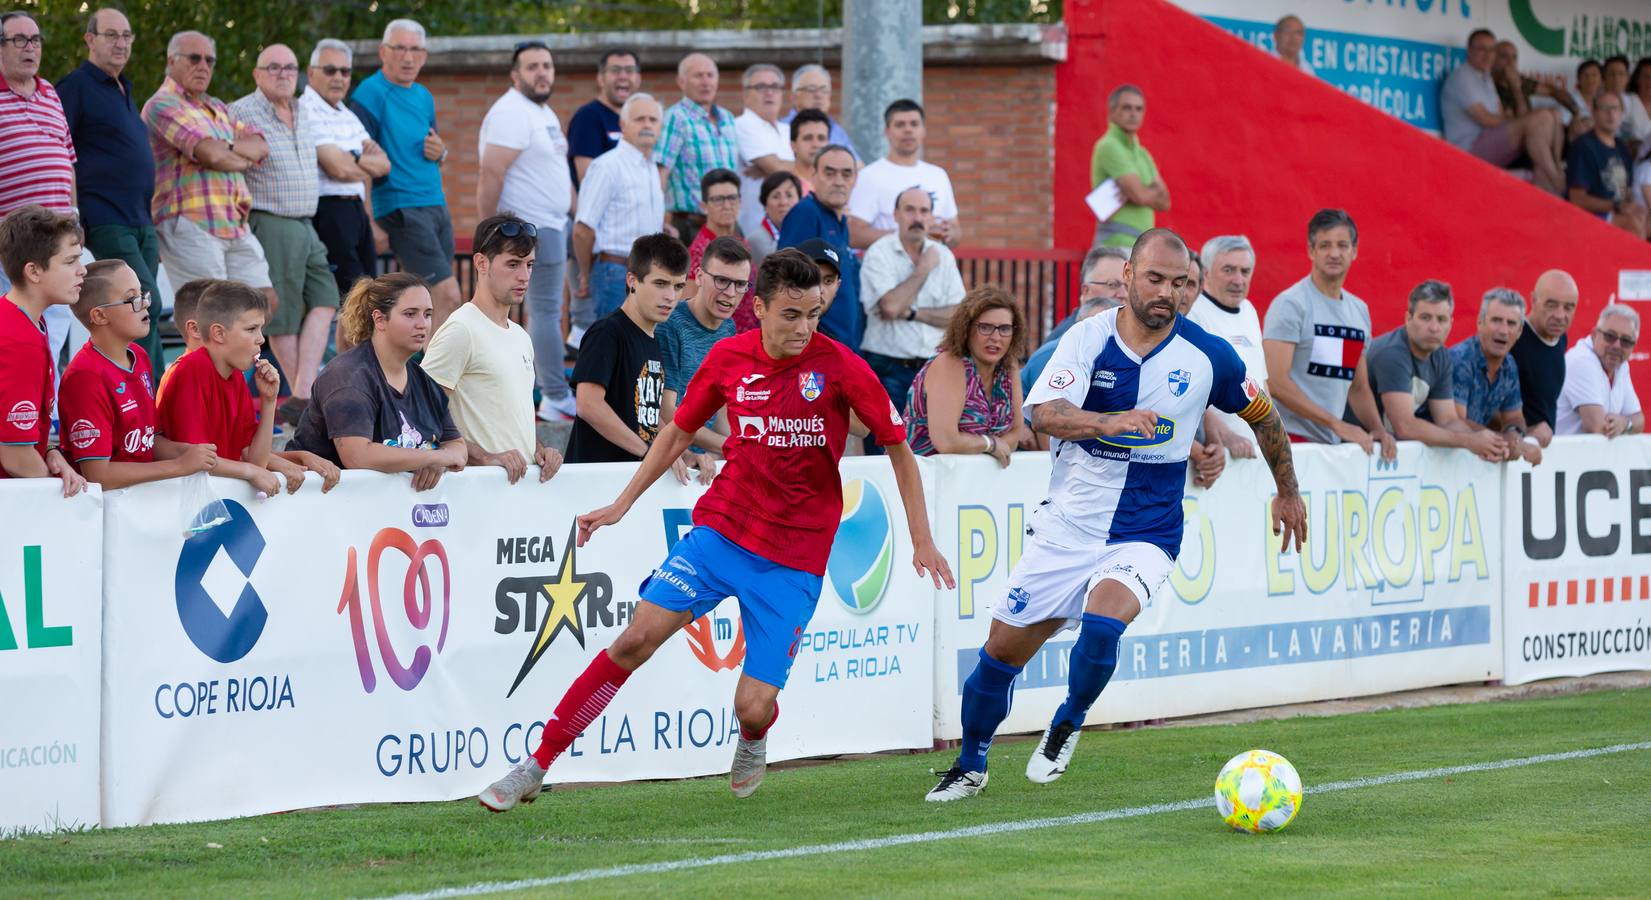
[(1119, 156)]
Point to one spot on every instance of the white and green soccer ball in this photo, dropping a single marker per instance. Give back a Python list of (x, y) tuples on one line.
[(1258, 791)]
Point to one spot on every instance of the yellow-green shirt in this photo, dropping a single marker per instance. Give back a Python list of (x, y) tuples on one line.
[(1116, 153)]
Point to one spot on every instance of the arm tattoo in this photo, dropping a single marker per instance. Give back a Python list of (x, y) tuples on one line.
[(1275, 448), (1061, 419)]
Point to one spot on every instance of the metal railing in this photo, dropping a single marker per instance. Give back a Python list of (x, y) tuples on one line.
[(1046, 282)]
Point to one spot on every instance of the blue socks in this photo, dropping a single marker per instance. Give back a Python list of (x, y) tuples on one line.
[(1093, 661), (986, 699)]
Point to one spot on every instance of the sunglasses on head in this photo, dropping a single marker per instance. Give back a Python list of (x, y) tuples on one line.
[(517, 229)]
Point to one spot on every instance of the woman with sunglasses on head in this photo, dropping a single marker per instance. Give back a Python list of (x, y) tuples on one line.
[(967, 398), (372, 408)]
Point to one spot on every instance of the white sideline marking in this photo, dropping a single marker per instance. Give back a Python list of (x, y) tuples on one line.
[(925, 837)]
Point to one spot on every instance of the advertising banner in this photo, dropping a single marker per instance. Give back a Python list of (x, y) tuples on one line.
[(1398, 588), (1394, 56), (51, 555), (376, 644), (1578, 551)]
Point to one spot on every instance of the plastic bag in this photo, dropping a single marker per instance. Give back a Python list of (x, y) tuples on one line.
[(199, 507)]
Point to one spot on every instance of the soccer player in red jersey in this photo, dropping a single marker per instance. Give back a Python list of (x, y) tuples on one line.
[(206, 399), (107, 399), (764, 530), (40, 251)]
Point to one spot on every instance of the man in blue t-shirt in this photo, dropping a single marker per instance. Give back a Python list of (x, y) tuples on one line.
[(821, 215), (408, 203), (1597, 177)]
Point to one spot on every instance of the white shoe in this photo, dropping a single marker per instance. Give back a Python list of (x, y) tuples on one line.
[(1054, 753), (957, 784), (557, 411), (750, 764), (575, 335), (522, 785)]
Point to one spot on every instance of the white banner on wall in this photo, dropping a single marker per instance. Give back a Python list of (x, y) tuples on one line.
[(51, 554), (1399, 588), (1578, 551), (1394, 56), (380, 645)]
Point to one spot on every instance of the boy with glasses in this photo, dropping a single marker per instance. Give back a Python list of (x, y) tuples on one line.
[(107, 400), (719, 197), (722, 275)]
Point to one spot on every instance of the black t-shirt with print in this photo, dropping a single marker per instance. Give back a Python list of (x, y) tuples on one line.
[(625, 360), (351, 398)]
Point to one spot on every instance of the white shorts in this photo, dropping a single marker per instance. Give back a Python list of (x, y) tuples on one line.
[(1058, 567)]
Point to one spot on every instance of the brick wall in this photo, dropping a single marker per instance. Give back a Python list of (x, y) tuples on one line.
[(991, 127)]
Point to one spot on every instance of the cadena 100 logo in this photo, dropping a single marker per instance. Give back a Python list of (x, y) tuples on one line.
[(863, 556), (418, 600)]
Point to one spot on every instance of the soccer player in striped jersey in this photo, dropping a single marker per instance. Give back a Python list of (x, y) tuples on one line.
[(764, 530), (1121, 397)]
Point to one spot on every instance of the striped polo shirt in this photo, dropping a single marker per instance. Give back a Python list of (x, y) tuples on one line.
[(37, 156)]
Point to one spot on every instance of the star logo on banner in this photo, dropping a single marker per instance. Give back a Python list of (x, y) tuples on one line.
[(562, 614)]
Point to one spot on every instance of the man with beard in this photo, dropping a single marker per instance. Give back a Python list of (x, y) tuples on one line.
[(524, 172), (1121, 396), (484, 361)]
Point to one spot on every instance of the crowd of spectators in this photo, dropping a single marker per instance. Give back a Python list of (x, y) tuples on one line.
[(652, 223)]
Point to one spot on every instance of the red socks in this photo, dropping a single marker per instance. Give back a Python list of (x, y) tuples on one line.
[(764, 732), (586, 698)]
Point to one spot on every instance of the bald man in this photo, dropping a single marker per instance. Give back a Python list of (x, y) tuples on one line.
[(285, 192), (696, 137), (1540, 351)]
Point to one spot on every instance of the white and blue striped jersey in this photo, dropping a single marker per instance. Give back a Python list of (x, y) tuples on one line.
[(1129, 488)]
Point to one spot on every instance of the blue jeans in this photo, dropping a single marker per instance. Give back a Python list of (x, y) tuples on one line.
[(544, 314), (607, 286)]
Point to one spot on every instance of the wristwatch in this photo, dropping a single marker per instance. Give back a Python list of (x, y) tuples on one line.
[(356, 154), (911, 314)]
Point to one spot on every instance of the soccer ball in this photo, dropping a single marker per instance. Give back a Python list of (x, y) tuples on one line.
[(1258, 791)]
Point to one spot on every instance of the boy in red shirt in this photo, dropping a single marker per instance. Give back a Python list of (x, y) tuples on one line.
[(40, 252), (206, 399), (763, 531), (106, 401), (185, 301)]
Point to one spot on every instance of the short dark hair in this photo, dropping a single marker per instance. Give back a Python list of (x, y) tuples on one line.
[(30, 234), (730, 250), (715, 177), (1639, 69), (788, 268), (225, 301), (659, 249), (96, 288), (187, 299), (804, 117), (1583, 67), (900, 106), (1619, 58), (1331, 218), (1430, 291), (832, 148), (611, 52), (523, 47), (1157, 236), (772, 183), (490, 240), (1473, 35)]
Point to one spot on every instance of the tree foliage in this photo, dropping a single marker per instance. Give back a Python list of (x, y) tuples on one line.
[(243, 27)]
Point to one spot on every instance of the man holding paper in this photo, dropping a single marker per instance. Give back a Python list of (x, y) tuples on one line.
[(1128, 192)]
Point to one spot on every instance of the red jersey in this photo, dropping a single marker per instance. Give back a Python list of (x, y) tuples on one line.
[(201, 407), (108, 412), (26, 379), (780, 495)]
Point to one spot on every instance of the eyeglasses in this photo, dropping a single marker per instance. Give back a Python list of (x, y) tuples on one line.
[(334, 71), (283, 69), (196, 59), (403, 50), (987, 329), (116, 36), (1106, 285), (138, 302), (723, 199), (765, 88), (816, 89), (724, 285), (20, 41), (1621, 340), (623, 70), (516, 229)]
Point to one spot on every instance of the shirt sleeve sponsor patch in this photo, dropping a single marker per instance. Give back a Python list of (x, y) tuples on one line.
[(1062, 380)]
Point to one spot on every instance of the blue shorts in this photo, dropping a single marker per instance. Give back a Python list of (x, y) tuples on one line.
[(776, 601)]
